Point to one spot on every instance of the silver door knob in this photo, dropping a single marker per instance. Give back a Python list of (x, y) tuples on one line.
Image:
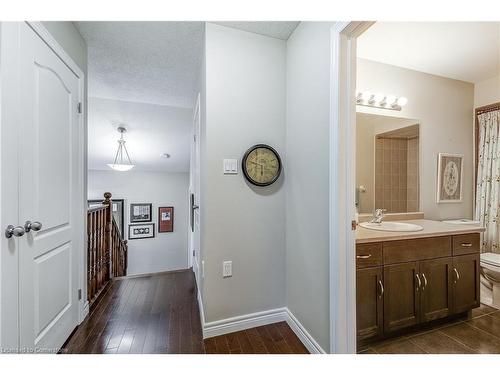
[(35, 226), (14, 231)]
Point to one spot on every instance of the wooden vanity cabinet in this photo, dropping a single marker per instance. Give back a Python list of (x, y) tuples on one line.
[(369, 302), (399, 286)]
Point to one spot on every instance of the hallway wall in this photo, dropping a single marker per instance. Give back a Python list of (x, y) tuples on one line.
[(167, 251), (307, 189), (245, 105)]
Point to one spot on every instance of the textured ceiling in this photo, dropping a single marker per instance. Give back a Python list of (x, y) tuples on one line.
[(152, 131), (148, 62), (468, 51), (275, 29)]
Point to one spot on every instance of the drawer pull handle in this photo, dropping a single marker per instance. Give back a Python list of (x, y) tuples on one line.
[(419, 282), (363, 256), (456, 274), (425, 281), (381, 289), (466, 244)]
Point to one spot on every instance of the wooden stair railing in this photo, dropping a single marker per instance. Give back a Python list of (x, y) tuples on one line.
[(106, 249)]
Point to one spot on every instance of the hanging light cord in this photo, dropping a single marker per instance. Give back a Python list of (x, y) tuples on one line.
[(119, 152)]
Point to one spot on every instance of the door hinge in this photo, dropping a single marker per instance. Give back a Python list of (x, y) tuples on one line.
[(194, 252), (354, 224), (79, 294), (79, 107), (194, 138)]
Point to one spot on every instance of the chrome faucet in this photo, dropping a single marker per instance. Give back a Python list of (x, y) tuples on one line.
[(378, 215)]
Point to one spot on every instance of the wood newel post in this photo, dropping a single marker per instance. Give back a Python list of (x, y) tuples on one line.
[(108, 243)]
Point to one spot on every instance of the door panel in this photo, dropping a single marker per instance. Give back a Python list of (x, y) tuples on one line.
[(48, 181), (436, 292), (465, 282), (369, 302), (401, 297)]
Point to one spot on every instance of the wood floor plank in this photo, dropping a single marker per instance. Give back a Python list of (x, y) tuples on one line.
[(160, 314)]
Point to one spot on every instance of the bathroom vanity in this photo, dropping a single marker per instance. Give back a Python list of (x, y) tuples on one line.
[(405, 279)]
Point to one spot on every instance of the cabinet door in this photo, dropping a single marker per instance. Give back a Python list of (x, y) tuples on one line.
[(465, 282), (437, 289), (402, 296), (369, 302)]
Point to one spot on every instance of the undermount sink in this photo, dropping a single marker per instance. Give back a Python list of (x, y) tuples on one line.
[(392, 226)]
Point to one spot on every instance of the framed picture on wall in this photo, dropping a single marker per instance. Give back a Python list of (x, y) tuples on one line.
[(140, 212), (165, 219), (450, 178), (139, 231)]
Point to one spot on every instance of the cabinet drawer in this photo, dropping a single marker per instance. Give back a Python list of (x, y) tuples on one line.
[(416, 249), (368, 255), (466, 244)]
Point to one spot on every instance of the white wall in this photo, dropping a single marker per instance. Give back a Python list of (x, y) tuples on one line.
[(487, 92), (167, 251), (444, 108), (307, 184), (245, 105)]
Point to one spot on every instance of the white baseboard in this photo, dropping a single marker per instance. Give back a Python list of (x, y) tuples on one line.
[(242, 322), (202, 311), (303, 335)]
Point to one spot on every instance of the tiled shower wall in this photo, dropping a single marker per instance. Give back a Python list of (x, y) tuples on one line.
[(396, 174)]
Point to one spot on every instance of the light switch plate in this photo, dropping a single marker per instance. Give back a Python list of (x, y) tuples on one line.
[(227, 268), (230, 166)]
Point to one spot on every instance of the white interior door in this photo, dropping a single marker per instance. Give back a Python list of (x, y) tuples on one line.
[(196, 189), (48, 182)]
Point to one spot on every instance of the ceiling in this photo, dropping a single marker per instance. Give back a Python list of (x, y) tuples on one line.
[(152, 130), (275, 29), (147, 62), (467, 51), (144, 75)]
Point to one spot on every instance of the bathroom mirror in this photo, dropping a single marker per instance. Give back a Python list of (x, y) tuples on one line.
[(387, 163)]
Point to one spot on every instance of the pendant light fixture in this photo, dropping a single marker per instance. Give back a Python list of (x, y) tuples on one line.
[(120, 164)]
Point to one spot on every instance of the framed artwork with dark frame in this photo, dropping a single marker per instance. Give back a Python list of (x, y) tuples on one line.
[(165, 219), (140, 212), (140, 231)]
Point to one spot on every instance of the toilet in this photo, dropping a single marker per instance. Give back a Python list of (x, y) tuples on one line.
[(490, 279)]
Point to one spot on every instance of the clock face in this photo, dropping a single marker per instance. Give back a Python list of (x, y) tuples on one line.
[(261, 165)]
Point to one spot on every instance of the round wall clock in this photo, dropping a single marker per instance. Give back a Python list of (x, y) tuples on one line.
[(261, 165)]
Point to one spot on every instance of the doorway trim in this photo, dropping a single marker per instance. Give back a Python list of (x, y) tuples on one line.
[(342, 184), (81, 240)]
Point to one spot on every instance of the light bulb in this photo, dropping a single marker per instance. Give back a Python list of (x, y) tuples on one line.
[(390, 100), (402, 101), (366, 96), (379, 97)]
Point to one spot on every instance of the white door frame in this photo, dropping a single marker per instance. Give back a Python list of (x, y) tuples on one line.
[(342, 185), (80, 243)]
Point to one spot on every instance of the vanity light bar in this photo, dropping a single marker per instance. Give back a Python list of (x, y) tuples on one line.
[(379, 100)]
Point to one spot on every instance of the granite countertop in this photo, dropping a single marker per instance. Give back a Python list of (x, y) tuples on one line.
[(431, 229)]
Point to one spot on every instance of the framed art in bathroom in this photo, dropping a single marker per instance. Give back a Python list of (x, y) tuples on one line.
[(450, 178)]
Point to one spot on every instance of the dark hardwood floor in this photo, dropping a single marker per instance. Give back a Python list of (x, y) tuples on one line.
[(159, 314), (277, 338)]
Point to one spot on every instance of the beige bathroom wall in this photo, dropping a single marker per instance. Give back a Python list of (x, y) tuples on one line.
[(444, 108), (487, 92)]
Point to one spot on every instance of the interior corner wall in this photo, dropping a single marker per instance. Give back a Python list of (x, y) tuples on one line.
[(245, 105), (487, 92), (307, 165), (166, 251), (444, 109)]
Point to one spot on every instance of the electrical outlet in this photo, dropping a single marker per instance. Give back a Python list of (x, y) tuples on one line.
[(227, 268)]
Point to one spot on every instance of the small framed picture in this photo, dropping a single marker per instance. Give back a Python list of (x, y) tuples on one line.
[(140, 212), (450, 178), (139, 231), (165, 219)]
